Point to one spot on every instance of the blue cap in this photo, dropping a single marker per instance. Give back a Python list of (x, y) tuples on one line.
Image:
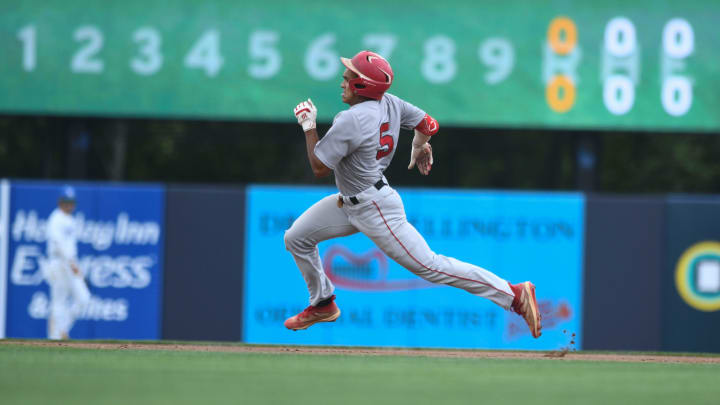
[(67, 194)]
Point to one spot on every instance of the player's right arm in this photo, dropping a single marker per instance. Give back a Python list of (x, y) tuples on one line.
[(306, 114), (339, 141), (318, 167)]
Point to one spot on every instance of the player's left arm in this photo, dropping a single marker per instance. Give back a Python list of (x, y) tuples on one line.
[(306, 114), (421, 153)]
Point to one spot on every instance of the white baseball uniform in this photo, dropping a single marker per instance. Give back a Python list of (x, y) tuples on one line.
[(68, 292), (358, 148)]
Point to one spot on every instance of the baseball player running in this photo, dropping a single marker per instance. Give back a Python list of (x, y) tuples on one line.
[(358, 148), (68, 292)]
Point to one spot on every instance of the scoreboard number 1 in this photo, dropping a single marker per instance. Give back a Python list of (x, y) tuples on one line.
[(27, 36)]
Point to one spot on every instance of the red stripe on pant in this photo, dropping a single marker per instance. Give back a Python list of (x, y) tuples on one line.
[(424, 266)]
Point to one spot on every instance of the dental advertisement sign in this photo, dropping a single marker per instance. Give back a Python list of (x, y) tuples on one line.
[(120, 234), (517, 235)]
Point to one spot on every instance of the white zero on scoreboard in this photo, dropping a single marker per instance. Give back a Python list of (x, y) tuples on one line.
[(678, 43)]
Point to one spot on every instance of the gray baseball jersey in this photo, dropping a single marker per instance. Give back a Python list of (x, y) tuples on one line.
[(359, 147), (361, 142)]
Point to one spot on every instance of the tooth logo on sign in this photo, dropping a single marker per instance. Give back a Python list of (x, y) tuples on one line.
[(697, 276), (366, 272)]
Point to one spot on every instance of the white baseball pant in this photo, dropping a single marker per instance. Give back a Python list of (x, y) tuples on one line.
[(380, 215), (69, 296)]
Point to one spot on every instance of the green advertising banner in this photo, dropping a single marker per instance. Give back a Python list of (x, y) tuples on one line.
[(645, 64)]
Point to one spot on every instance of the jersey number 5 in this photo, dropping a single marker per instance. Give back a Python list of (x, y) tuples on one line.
[(386, 142)]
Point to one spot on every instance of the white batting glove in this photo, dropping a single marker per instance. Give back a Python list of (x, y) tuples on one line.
[(306, 114)]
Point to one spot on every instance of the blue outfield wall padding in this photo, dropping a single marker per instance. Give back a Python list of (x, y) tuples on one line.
[(120, 249), (517, 235), (624, 238), (204, 265)]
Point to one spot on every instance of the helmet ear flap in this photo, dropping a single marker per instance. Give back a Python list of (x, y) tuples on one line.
[(357, 84)]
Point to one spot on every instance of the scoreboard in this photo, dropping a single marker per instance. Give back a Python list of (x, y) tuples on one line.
[(640, 65)]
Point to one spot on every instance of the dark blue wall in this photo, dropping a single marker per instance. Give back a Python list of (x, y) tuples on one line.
[(624, 238), (690, 220), (205, 244)]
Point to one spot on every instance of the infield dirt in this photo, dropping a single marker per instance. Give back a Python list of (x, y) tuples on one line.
[(560, 355)]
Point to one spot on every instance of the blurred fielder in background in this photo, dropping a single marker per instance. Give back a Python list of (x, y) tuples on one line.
[(358, 148), (68, 292)]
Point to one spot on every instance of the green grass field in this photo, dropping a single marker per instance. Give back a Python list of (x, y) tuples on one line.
[(64, 375)]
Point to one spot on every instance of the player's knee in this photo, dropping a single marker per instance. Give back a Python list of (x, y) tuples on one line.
[(290, 239), (294, 240)]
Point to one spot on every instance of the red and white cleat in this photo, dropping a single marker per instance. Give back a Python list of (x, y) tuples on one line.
[(526, 306), (312, 315)]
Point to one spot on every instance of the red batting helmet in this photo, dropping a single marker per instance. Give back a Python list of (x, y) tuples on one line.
[(374, 74)]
